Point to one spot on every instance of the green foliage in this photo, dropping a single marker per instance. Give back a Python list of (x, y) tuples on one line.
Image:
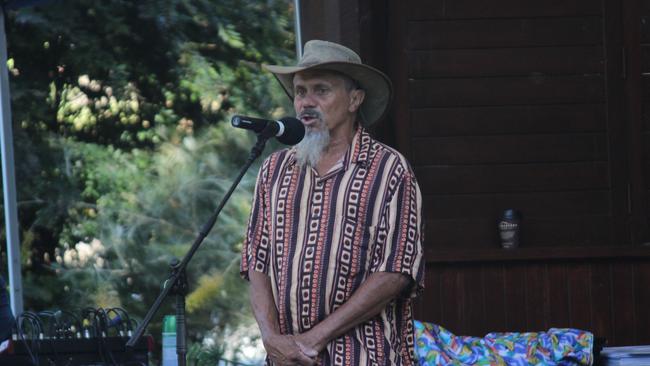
[(114, 72), (123, 149)]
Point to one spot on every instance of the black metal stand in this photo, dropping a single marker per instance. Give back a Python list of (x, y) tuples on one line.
[(177, 281), (180, 290)]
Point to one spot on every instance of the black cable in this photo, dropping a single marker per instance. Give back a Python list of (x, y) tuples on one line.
[(134, 322), (74, 331), (59, 331), (115, 322), (35, 326), (103, 325), (126, 319)]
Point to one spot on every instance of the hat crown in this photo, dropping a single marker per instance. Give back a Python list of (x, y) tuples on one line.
[(318, 52)]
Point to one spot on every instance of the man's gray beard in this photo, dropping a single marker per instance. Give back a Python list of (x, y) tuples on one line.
[(310, 149)]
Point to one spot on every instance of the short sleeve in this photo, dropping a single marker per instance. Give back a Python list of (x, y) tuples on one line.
[(254, 253), (399, 236)]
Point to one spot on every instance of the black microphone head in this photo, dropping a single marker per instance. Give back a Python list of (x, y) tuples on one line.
[(249, 123), (294, 131)]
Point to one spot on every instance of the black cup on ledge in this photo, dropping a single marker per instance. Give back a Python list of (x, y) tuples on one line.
[(509, 229)]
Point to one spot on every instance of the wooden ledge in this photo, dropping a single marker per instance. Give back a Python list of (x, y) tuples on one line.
[(532, 254)]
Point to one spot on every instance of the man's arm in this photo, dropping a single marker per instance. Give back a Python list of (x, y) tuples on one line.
[(282, 349), (366, 302)]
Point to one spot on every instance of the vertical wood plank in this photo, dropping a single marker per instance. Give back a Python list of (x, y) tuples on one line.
[(494, 293), (559, 295), (624, 308), (374, 27), (515, 301), (452, 303), (428, 307), (633, 91), (642, 294), (398, 72), (618, 154), (601, 298), (579, 283), (537, 301), (474, 322)]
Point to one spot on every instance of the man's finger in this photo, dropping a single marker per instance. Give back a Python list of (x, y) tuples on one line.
[(309, 352), (304, 360)]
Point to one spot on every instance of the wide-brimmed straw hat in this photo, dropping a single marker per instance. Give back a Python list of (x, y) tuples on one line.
[(323, 55)]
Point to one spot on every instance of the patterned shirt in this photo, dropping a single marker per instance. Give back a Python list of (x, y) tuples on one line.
[(318, 238)]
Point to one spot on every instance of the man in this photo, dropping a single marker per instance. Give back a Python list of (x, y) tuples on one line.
[(333, 249)]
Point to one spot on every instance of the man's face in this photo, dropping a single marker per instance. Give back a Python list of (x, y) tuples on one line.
[(322, 101)]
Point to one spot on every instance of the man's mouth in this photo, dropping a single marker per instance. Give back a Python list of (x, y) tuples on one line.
[(308, 119)]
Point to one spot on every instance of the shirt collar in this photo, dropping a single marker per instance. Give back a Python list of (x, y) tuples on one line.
[(358, 152), (360, 148)]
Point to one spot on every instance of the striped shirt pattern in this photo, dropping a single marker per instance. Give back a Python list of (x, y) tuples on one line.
[(319, 237)]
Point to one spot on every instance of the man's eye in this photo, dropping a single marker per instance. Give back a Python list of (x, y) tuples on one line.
[(321, 90), (300, 92)]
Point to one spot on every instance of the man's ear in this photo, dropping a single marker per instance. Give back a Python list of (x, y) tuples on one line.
[(356, 98)]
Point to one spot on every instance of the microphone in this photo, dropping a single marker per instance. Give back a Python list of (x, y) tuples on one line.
[(287, 130)]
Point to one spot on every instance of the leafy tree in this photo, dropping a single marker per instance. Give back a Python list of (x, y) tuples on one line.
[(122, 150)]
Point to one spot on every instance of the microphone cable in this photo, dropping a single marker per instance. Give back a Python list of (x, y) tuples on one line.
[(103, 322), (55, 331), (36, 329)]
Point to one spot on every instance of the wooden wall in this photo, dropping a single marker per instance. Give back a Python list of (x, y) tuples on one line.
[(507, 106), (541, 106), (607, 296), (637, 90)]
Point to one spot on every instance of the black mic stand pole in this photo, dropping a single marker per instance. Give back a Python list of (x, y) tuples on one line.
[(177, 281)]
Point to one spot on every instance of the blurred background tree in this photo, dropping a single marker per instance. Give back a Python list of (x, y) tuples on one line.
[(123, 148)]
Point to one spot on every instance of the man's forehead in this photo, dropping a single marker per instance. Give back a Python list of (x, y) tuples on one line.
[(317, 76)]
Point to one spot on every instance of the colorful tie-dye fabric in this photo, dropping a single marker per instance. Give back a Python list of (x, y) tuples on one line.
[(435, 345)]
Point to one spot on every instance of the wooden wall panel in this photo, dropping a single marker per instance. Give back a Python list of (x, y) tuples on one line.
[(642, 303), (494, 297), (506, 61), (488, 33), (474, 80), (540, 89), (637, 91), (580, 301), (509, 120), (537, 204), (537, 299), (513, 178), (624, 305), (505, 105), (450, 9), (474, 300), (505, 150), (558, 316), (608, 297), (561, 231), (601, 287), (515, 309), (452, 300)]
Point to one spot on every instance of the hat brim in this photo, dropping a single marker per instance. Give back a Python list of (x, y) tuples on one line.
[(375, 83)]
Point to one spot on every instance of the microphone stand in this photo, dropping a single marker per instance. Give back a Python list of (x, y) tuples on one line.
[(176, 283)]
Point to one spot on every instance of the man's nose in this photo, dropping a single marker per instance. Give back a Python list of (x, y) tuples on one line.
[(308, 100)]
